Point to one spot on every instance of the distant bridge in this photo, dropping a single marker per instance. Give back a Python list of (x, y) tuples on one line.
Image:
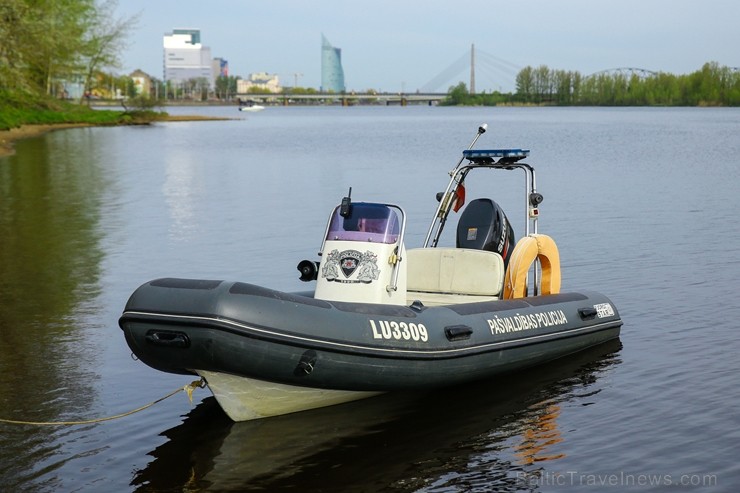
[(627, 72), (429, 93), (347, 99)]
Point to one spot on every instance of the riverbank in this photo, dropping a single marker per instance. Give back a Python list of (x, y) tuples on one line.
[(8, 138)]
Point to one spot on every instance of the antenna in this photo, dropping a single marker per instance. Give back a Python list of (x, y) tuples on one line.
[(345, 209)]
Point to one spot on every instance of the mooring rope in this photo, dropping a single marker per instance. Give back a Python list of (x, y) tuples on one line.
[(189, 388)]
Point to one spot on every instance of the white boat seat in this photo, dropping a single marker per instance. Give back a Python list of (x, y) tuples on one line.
[(453, 275)]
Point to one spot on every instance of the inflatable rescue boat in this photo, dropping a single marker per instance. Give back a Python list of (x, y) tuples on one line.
[(382, 317)]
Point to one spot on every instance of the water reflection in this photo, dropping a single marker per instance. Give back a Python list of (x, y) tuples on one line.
[(181, 188), (540, 433), (210, 451), (49, 277), (494, 435)]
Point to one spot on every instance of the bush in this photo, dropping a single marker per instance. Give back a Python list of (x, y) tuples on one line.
[(18, 109)]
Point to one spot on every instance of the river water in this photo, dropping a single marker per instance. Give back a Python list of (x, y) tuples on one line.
[(641, 201)]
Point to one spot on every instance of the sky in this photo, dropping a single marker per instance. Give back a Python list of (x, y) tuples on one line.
[(410, 45)]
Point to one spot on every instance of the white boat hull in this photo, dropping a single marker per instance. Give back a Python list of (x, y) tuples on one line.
[(245, 399)]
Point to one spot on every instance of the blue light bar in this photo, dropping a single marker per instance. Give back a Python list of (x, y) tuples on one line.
[(489, 154)]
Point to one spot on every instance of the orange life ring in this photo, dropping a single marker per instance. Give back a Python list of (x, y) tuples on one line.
[(527, 249)]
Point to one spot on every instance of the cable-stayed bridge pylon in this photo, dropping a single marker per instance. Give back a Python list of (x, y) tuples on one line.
[(486, 71)]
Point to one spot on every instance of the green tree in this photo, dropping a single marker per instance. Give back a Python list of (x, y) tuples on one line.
[(105, 36), (712, 85), (63, 24), (44, 41), (226, 86), (40, 41), (525, 84), (196, 88), (563, 83), (458, 94), (543, 84), (14, 28)]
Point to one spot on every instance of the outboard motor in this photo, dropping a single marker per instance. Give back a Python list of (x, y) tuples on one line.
[(484, 226), (361, 256)]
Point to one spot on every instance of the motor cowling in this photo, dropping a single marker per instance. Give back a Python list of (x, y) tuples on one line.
[(483, 225)]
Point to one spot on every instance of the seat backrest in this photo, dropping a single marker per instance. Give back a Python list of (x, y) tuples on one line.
[(455, 271)]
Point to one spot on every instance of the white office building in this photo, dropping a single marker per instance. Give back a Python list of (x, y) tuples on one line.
[(186, 58)]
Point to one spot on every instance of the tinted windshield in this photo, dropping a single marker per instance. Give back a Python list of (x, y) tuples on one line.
[(375, 223)]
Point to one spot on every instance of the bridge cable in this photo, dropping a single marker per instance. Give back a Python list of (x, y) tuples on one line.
[(448, 73), (490, 64)]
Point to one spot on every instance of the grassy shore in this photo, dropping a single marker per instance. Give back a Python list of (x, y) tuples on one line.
[(23, 118), (9, 137)]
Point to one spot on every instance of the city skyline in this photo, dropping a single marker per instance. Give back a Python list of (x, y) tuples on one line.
[(390, 46)]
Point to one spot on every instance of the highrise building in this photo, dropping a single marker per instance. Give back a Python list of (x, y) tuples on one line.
[(186, 58), (332, 74), (220, 67)]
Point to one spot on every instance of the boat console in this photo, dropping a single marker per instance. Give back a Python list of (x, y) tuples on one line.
[(363, 258), (361, 254)]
